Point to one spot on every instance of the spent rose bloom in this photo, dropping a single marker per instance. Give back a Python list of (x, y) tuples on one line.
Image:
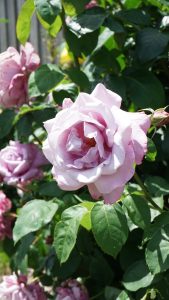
[(95, 143), (5, 203), (5, 221), (17, 288), (20, 163), (15, 69), (71, 289)]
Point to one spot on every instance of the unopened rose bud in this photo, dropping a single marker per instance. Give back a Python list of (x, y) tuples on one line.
[(160, 117)]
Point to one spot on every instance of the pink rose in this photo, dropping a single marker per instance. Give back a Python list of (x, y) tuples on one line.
[(95, 143), (71, 289), (20, 163), (15, 69), (17, 288)]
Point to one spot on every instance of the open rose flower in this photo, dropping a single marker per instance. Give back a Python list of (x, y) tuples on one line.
[(21, 163), (15, 69), (71, 289), (17, 288), (93, 142)]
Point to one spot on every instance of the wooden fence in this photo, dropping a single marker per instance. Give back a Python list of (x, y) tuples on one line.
[(9, 9)]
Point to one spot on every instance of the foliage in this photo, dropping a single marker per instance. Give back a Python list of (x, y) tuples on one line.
[(120, 251)]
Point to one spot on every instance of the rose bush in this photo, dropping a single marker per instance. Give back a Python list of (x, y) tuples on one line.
[(20, 163), (15, 69), (97, 145)]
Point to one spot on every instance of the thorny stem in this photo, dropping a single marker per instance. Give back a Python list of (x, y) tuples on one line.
[(146, 193)]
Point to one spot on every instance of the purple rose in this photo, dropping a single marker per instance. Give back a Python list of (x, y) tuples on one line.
[(15, 69), (95, 143), (71, 289), (20, 163), (17, 288)]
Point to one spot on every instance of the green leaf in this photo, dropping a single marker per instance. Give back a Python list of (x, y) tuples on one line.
[(48, 10), (132, 3), (112, 293), (66, 231), (73, 7), (135, 16), (157, 251), (50, 189), (100, 270), (6, 122), (86, 220), (145, 90), (34, 215), (88, 21), (151, 151), (45, 78), (79, 77), (158, 222), (150, 43), (109, 226), (54, 28), (137, 276), (23, 248), (157, 186), (23, 25), (24, 128), (138, 210), (114, 25)]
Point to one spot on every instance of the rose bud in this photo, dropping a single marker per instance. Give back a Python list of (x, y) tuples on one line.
[(160, 117)]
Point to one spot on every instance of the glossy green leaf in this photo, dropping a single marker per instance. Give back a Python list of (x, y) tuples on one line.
[(157, 251), (86, 220), (150, 43), (135, 16), (138, 210), (7, 118), (145, 90), (109, 226), (32, 216), (23, 25), (137, 276), (73, 7), (151, 151), (66, 231), (48, 10), (44, 79), (157, 185), (88, 21)]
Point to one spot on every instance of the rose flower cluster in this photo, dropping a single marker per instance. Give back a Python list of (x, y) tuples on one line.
[(5, 221)]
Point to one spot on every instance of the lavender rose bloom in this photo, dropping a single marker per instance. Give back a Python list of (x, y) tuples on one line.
[(20, 163), (93, 142), (15, 69), (72, 290), (17, 288)]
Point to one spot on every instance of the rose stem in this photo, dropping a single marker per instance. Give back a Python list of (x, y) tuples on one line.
[(146, 193)]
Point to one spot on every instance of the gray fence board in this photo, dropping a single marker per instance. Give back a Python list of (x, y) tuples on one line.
[(9, 9)]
